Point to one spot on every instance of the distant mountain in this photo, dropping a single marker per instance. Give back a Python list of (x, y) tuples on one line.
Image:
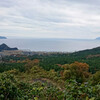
[(98, 38), (5, 47), (2, 37)]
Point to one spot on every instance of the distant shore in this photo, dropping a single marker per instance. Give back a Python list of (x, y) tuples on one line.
[(3, 37)]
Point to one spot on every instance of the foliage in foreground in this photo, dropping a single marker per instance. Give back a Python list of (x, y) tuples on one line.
[(12, 89), (18, 80), (81, 91)]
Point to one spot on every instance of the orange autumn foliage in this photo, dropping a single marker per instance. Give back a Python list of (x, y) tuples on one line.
[(76, 70), (31, 63)]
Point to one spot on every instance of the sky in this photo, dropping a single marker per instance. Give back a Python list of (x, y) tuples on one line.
[(79, 19)]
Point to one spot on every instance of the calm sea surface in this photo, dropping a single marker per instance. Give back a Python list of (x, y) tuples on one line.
[(60, 45)]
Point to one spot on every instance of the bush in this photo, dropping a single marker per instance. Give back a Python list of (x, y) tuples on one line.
[(96, 78)]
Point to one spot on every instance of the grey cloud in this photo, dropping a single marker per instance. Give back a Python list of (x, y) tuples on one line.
[(61, 18), (90, 2), (7, 3)]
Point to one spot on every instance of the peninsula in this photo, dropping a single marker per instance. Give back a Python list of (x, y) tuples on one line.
[(5, 47)]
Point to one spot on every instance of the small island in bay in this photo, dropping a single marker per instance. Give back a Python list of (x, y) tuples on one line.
[(3, 37)]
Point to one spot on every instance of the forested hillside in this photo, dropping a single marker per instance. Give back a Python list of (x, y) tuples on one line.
[(51, 61), (56, 76)]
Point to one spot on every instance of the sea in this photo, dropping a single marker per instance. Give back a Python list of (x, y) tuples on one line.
[(51, 45)]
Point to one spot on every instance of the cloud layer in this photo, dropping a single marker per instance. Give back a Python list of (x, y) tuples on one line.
[(50, 18)]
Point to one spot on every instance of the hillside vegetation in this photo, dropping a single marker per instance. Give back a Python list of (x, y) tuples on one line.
[(73, 76)]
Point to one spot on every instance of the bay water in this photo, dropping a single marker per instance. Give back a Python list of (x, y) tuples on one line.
[(51, 45)]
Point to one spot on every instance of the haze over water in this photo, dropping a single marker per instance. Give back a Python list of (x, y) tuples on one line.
[(51, 45)]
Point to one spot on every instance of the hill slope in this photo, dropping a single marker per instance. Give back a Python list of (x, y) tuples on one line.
[(5, 47)]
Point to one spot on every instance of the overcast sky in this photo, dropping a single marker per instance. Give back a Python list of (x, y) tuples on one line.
[(50, 18)]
